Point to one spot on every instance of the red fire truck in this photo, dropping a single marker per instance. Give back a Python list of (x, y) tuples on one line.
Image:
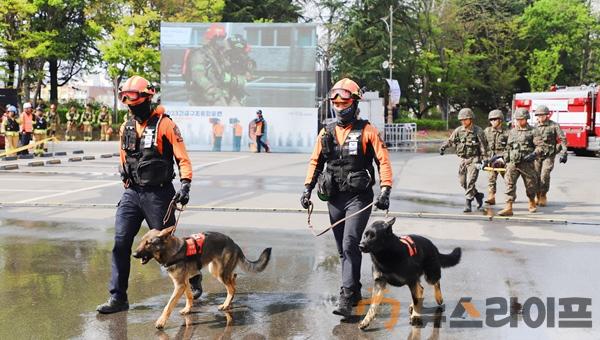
[(575, 109)]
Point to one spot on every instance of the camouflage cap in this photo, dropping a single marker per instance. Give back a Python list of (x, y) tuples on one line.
[(465, 113), (521, 113), (542, 110), (496, 114)]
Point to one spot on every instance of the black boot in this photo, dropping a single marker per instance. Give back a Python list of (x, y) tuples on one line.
[(467, 208), (356, 297), (344, 307), (113, 306), (196, 283), (479, 198)]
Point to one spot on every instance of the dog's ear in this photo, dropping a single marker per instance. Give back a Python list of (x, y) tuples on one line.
[(166, 232), (389, 224)]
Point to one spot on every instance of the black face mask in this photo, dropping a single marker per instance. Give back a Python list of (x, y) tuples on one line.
[(346, 116), (141, 112)]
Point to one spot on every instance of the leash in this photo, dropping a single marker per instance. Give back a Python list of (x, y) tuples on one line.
[(171, 210), (312, 229)]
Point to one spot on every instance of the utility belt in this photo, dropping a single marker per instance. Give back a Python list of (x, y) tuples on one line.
[(328, 185), (40, 130), (11, 133)]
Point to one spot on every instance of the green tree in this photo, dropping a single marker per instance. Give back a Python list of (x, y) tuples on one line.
[(553, 32), (261, 10), (132, 47), (190, 11)]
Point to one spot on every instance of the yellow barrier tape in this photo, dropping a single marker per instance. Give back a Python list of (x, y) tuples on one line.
[(29, 146)]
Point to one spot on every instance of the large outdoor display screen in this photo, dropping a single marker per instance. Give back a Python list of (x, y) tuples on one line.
[(217, 75)]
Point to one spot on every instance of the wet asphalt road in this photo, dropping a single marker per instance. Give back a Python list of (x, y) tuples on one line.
[(55, 259)]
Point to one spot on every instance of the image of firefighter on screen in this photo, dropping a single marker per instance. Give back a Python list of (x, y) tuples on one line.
[(216, 73), (238, 64)]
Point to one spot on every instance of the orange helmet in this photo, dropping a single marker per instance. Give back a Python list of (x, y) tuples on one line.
[(215, 30), (135, 91), (345, 90)]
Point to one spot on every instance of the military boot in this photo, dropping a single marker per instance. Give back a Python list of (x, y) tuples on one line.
[(491, 198), (542, 200), (467, 208), (479, 199), (344, 307), (507, 211), (532, 205)]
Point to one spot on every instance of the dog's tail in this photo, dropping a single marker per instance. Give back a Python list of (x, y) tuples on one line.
[(255, 266), (450, 260)]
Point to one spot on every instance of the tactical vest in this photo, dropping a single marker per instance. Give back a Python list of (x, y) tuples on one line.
[(549, 137), (496, 140), (40, 124), (467, 143), (71, 116), (11, 125), (144, 165), (351, 169), (520, 144)]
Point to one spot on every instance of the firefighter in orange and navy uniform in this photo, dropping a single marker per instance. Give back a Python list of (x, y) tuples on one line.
[(151, 145), (342, 167)]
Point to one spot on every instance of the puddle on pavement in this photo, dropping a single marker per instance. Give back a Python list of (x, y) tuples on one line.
[(50, 288)]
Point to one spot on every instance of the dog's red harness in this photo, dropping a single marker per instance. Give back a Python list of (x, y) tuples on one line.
[(194, 244), (410, 244)]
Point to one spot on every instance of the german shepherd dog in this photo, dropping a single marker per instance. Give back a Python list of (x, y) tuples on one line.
[(219, 252), (402, 261)]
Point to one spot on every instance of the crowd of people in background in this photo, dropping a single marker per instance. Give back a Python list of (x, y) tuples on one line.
[(37, 125)]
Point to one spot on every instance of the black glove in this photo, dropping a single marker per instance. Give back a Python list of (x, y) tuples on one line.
[(183, 195), (494, 159), (383, 201), (442, 149), (305, 198), (563, 158), (530, 157)]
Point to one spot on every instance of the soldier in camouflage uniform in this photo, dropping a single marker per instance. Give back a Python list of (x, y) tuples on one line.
[(471, 147), (496, 136), (551, 134), (522, 148)]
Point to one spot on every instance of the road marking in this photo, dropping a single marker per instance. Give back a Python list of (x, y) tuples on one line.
[(70, 192), (10, 179), (29, 190), (218, 162)]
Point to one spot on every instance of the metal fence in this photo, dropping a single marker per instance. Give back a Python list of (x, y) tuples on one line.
[(401, 137)]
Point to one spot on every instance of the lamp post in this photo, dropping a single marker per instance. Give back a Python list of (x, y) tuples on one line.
[(390, 63)]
